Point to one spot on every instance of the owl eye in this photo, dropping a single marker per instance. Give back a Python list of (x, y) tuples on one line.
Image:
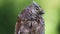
[(37, 8)]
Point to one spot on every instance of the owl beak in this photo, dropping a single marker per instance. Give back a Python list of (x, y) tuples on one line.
[(41, 12)]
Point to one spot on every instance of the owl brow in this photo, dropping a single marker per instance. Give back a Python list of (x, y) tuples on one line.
[(36, 6)]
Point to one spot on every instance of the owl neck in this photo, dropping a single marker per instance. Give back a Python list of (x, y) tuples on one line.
[(28, 17)]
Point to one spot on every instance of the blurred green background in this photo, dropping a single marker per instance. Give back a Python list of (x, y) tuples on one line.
[(9, 9)]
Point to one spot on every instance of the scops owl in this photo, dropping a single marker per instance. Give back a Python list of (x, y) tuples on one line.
[(30, 20)]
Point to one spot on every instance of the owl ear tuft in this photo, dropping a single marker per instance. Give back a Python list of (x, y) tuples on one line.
[(35, 3)]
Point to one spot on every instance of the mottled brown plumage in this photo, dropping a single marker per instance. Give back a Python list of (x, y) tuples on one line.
[(30, 21)]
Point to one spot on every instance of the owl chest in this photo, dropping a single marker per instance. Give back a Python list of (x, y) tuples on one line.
[(30, 27)]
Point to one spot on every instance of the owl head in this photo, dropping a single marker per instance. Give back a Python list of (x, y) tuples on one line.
[(32, 11)]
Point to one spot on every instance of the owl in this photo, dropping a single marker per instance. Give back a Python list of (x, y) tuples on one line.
[(30, 20)]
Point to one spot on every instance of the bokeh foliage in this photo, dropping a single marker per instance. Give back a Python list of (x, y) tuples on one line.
[(9, 9)]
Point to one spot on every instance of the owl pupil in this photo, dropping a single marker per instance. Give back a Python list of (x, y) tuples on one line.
[(36, 8)]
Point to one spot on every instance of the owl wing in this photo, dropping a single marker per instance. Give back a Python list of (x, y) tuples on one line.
[(17, 26), (18, 23)]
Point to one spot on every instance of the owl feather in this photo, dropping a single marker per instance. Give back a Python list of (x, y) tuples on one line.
[(30, 20)]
